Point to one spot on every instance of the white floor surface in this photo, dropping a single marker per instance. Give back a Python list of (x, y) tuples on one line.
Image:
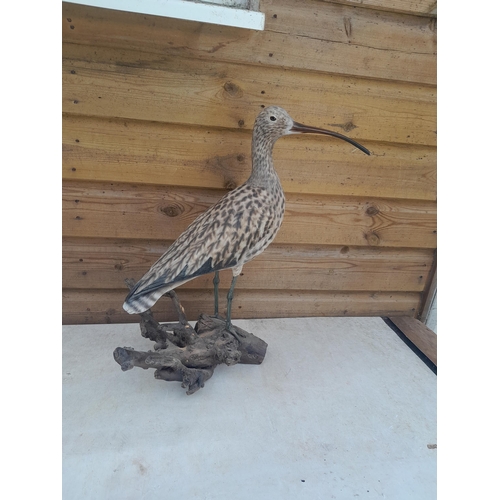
[(340, 408)]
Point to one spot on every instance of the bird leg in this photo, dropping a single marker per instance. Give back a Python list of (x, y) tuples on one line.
[(216, 294), (229, 302), (229, 325)]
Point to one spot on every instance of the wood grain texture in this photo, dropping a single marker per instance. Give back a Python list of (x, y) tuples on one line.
[(157, 153), (113, 210), (105, 306), (134, 85), (421, 336), (415, 7), (383, 30), (104, 264), (410, 55)]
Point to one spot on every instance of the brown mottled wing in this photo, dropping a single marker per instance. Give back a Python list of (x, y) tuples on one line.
[(220, 238)]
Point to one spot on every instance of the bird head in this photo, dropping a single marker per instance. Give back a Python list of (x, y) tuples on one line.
[(274, 122)]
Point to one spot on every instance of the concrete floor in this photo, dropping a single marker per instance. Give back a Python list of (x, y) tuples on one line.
[(341, 408)]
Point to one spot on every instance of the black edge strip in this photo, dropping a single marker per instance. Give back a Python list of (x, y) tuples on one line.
[(411, 345)]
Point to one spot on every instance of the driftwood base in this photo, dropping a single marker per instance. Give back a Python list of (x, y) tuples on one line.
[(189, 355)]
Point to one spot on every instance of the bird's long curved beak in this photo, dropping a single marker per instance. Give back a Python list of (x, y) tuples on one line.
[(299, 128)]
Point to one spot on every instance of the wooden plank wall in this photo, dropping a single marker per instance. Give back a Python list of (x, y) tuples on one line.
[(157, 120)]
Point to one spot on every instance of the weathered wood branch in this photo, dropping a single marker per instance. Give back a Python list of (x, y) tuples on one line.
[(189, 355)]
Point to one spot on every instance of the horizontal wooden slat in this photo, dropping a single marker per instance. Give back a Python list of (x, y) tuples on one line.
[(80, 306), (421, 336), (364, 49), (113, 210), (126, 84), (415, 7), (347, 24), (104, 264), (155, 153)]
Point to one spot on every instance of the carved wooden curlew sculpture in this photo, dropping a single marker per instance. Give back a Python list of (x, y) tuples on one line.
[(233, 231)]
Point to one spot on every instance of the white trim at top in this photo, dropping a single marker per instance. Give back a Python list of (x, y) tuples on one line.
[(185, 9)]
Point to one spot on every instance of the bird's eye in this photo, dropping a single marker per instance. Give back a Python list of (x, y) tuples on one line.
[(272, 118)]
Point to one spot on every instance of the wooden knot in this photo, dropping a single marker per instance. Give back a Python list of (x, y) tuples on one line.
[(232, 89), (172, 210), (230, 185), (348, 126), (372, 238), (372, 210)]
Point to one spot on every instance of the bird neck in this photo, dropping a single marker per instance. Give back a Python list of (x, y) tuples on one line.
[(263, 173)]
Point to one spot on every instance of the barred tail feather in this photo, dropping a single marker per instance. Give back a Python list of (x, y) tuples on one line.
[(136, 304), (143, 297)]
